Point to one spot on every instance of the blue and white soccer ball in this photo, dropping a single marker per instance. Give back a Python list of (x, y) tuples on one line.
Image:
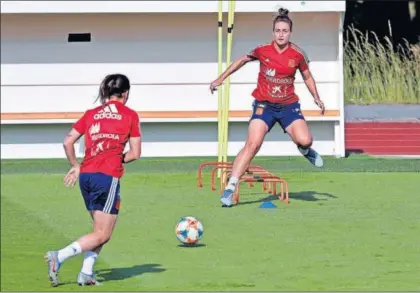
[(189, 230)]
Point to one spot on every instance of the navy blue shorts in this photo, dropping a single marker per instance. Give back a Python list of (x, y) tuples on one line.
[(272, 113), (100, 192)]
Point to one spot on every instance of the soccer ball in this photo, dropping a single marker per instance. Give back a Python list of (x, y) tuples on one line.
[(189, 230)]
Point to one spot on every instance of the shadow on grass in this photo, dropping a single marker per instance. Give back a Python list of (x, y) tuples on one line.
[(303, 195), (114, 274), (192, 245)]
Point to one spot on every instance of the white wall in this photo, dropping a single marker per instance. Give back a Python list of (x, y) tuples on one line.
[(164, 6), (168, 57), (161, 140)]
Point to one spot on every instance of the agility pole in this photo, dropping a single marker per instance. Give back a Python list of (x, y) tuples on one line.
[(226, 93)]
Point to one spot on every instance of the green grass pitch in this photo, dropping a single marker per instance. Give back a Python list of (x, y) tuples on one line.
[(352, 226)]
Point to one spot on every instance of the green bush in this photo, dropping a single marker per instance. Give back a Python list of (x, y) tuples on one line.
[(377, 73)]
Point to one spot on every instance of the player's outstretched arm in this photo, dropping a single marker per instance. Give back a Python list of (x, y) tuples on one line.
[(135, 150), (311, 85), (236, 65)]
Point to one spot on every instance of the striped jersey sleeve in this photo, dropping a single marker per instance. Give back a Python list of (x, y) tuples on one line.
[(304, 60), (255, 52)]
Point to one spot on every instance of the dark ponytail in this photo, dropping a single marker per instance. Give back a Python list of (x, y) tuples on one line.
[(283, 16), (113, 85)]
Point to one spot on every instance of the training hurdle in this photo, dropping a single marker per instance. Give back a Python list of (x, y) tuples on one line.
[(259, 175), (265, 178), (218, 166), (253, 174), (226, 175)]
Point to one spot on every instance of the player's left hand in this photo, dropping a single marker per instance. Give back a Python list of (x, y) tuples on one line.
[(72, 175), (215, 84), (321, 105)]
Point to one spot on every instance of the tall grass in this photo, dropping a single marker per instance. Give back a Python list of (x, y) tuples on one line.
[(377, 73)]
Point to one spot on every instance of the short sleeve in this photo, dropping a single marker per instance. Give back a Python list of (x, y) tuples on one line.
[(80, 125), (304, 62), (254, 54), (135, 126)]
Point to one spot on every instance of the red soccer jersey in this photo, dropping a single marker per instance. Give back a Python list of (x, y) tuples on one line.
[(277, 72), (107, 129)]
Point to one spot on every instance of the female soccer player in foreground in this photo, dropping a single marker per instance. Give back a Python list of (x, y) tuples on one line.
[(107, 129), (275, 98)]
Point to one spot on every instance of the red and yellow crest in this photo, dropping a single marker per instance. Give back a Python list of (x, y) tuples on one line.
[(292, 63)]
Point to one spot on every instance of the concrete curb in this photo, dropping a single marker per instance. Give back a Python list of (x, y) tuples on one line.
[(389, 113)]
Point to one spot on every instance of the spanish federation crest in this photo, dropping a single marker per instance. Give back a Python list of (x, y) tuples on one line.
[(292, 63)]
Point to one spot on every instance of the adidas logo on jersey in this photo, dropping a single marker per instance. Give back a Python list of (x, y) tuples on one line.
[(109, 112)]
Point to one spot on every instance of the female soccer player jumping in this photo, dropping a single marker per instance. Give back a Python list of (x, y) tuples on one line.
[(275, 98), (107, 129)]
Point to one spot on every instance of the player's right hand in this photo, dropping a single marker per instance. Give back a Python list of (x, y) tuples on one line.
[(215, 84), (72, 175)]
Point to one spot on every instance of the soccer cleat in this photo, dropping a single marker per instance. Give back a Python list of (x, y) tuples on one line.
[(83, 280), (226, 198), (51, 259), (312, 156)]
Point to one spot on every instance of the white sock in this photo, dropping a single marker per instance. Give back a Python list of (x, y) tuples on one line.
[(69, 251), (232, 183), (89, 262)]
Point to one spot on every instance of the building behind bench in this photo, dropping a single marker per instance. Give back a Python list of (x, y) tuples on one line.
[(169, 52)]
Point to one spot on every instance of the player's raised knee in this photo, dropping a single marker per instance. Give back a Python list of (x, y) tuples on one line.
[(304, 141)]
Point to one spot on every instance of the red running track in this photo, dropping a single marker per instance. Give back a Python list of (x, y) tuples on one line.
[(383, 138)]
